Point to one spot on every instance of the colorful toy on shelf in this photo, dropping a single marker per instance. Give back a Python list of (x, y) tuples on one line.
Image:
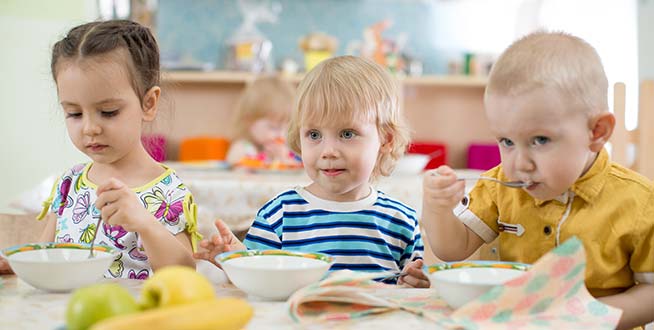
[(387, 52), (249, 49), (317, 47)]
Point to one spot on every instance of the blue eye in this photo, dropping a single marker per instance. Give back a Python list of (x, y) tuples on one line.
[(348, 134), (506, 142), (541, 140), (314, 135)]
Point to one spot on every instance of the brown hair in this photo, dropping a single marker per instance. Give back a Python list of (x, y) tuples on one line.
[(349, 88), (557, 60), (268, 96), (103, 37)]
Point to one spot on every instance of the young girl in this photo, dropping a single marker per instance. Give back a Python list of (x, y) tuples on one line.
[(107, 77), (348, 128), (260, 124)]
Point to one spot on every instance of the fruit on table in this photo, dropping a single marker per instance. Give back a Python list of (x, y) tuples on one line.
[(223, 314), (91, 304), (175, 285)]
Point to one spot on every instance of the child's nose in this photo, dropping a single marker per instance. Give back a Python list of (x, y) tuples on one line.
[(91, 127), (523, 162), (329, 149)]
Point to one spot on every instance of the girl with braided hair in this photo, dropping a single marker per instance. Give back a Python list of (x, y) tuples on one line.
[(107, 79)]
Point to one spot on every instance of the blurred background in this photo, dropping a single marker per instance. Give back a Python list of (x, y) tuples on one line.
[(440, 50)]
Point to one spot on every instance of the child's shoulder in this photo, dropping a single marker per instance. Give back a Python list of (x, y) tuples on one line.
[(388, 202), (288, 196), (625, 178), (75, 170)]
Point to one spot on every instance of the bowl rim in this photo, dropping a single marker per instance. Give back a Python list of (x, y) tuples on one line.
[(227, 256), (12, 250), (430, 269)]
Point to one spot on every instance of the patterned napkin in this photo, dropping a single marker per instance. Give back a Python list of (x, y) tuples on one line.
[(551, 294)]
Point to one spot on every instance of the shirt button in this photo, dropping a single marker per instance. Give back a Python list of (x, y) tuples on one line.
[(547, 230), (464, 201)]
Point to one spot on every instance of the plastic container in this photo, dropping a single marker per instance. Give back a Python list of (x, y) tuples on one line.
[(203, 148), (483, 156), (437, 152)]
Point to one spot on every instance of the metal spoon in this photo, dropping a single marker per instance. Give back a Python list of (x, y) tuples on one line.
[(512, 184), (97, 228)]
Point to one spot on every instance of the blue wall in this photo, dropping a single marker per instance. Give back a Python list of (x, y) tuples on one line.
[(200, 28)]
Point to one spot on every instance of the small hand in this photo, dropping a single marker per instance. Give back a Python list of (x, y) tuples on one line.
[(5, 269), (441, 190), (225, 241), (119, 205), (414, 276)]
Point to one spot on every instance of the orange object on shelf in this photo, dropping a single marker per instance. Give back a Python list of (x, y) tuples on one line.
[(203, 148)]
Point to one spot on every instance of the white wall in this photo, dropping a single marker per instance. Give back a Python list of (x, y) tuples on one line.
[(646, 39), (33, 139)]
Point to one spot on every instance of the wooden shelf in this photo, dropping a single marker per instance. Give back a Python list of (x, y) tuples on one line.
[(222, 77)]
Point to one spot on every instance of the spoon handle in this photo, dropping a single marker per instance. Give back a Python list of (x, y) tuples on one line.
[(97, 228)]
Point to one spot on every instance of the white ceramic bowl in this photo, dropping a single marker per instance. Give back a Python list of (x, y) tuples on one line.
[(411, 164), (59, 267), (273, 274), (461, 282)]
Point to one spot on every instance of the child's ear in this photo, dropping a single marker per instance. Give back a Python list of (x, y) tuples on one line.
[(387, 144), (601, 128), (150, 101)]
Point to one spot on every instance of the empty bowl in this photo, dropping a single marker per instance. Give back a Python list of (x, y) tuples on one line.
[(411, 164), (59, 267), (461, 282), (273, 274)]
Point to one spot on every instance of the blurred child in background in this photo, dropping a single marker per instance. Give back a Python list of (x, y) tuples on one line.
[(260, 124)]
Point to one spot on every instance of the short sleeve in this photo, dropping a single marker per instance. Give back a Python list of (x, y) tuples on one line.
[(478, 210), (415, 250), (262, 235), (173, 206), (642, 258)]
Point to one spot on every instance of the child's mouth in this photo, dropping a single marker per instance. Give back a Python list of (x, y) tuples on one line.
[(96, 147), (332, 171)]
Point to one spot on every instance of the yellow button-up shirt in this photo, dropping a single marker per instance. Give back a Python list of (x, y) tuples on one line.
[(610, 209)]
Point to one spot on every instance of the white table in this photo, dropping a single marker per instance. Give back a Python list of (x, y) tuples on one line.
[(24, 307)]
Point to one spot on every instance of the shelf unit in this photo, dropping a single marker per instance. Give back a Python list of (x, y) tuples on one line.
[(439, 108), (218, 77)]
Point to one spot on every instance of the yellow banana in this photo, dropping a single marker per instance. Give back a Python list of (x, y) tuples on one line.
[(218, 314)]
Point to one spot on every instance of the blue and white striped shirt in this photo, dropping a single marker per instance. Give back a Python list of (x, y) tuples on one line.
[(377, 233)]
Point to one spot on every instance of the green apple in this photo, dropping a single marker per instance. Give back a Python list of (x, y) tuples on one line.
[(175, 285), (90, 304)]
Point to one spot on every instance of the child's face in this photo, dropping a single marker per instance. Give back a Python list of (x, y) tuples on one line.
[(339, 158), (267, 130), (542, 139), (103, 113)]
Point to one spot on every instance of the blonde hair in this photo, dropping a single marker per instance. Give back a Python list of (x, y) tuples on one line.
[(270, 97), (352, 88), (555, 60)]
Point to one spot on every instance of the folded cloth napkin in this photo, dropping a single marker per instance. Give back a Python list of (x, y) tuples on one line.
[(551, 294)]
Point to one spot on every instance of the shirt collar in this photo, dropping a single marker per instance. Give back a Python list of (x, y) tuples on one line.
[(591, 183)]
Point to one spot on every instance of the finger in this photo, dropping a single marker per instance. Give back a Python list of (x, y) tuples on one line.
[(111, 184), (108, 197), (225, 232), (218, 243)]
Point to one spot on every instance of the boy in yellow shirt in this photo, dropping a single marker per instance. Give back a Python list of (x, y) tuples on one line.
[(546, 103)]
